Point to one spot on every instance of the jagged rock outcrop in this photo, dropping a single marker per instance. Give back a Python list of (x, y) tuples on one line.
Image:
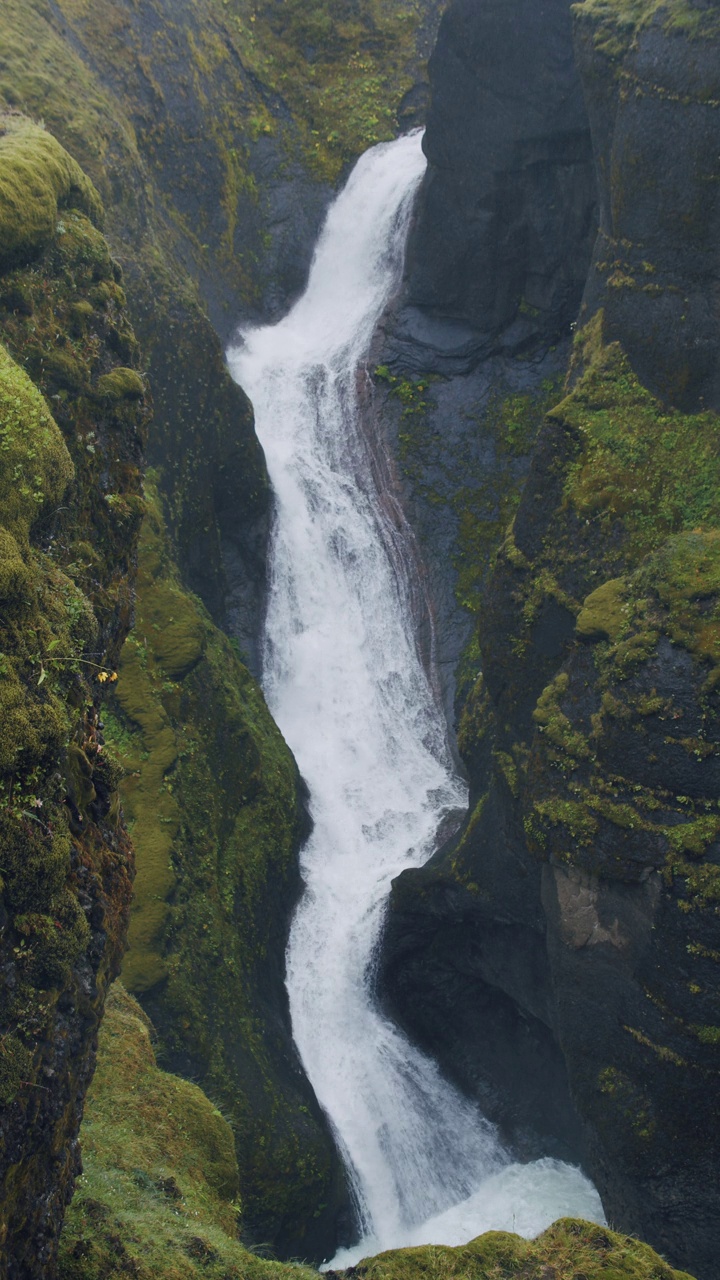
[(578, 908), (72, 422)]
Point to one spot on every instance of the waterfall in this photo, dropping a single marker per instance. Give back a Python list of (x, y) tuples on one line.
[(345, 683)]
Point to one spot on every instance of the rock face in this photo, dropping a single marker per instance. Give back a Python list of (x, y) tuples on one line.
[(506, 217), (496, 265), (655, 267), (70, 511), (578, 911), (214, 134)]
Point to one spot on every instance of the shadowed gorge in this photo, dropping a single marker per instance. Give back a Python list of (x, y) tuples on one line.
[(470, 548)]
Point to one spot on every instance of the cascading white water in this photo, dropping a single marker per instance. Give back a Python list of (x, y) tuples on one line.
[(345, 683)]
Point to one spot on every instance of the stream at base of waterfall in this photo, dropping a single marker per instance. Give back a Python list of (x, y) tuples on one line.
[(345, 683)]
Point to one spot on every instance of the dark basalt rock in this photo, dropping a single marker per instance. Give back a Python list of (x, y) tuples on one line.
[(506, 216), (496, 264), (465, 971)]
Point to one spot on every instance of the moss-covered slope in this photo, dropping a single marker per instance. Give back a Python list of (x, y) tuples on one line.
[(213, 132), (70, 509), (211, 794), (199, 123), (158, 1195)]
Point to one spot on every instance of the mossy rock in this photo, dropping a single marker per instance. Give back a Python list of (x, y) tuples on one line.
[(617, 23), (37, 179), (120, 384), (211, 794), (568, 1250), (16, 578), (66, 563), (602, 611), (684, 574), (16, 1068), (36, 466)]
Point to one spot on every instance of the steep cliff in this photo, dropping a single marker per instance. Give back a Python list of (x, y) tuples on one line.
[(214, 133), (506, 218), (577, 912), (72, 421), (202, 125), (497, 260)]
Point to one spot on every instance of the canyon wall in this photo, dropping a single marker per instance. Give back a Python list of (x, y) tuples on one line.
[(214, 134), (560, 955), (74, 418)]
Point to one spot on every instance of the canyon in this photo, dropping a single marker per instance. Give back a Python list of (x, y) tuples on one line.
[(544, 382)]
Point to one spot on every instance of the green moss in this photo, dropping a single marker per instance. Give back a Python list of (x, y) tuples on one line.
[(121, 384), (211, 797), (37, 179), (616, 23), (342, 67), (574, 815), (66, 603), (16, 1067), (52, 944), (476, 721), (36, 466), (657, 471), (158, 1194), (15, 575), (603, 612), (567, 1250), (684, 574), (566, 745), (708, 1035), (635, 476)]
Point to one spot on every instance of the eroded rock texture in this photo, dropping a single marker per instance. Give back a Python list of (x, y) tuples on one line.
[(566, 944)]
